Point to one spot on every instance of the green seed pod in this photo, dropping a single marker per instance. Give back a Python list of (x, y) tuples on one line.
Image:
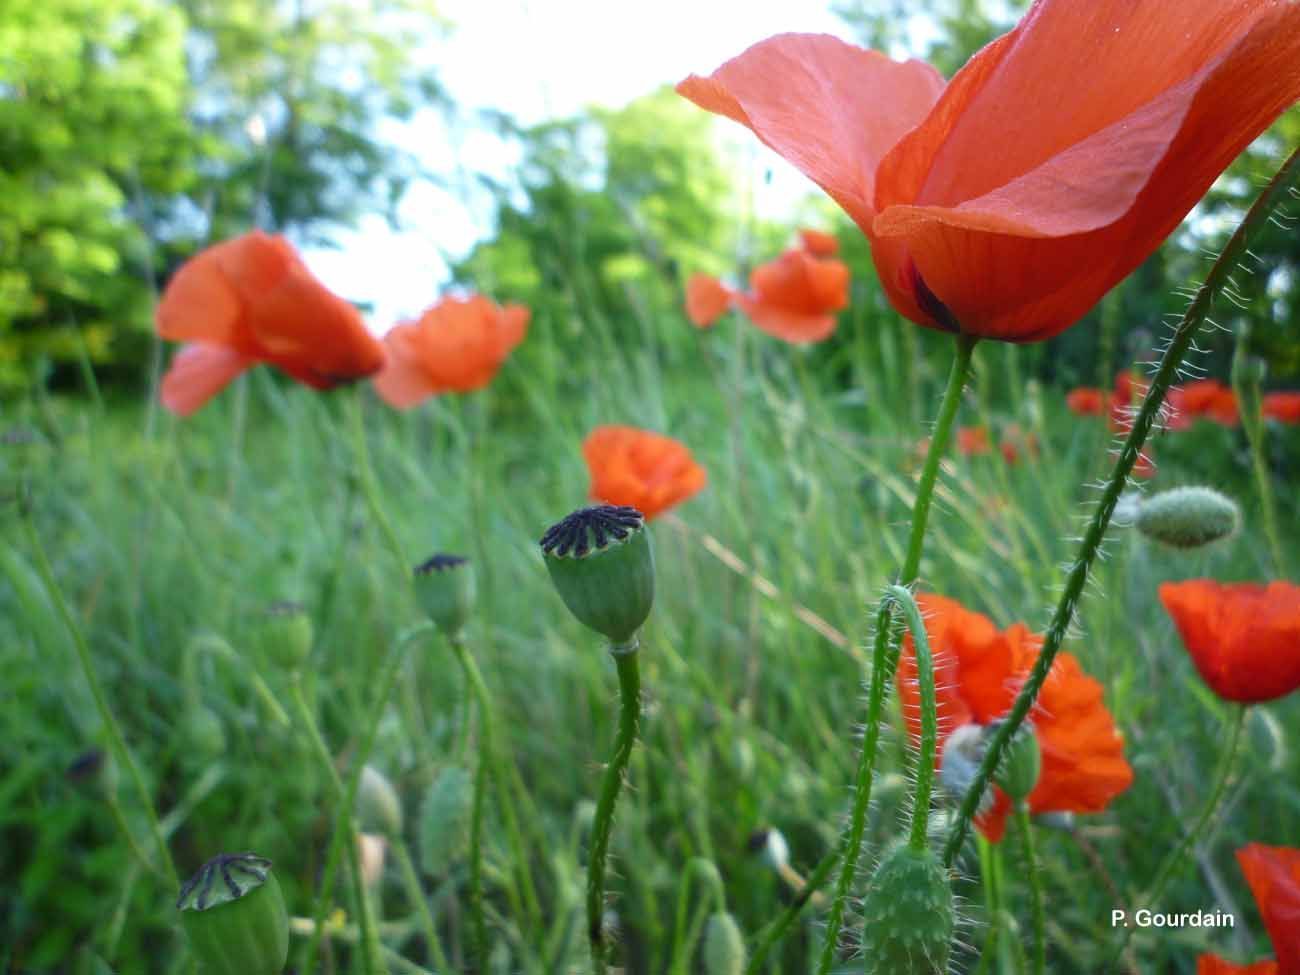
[(202, 734), (285, 635), (444, 819), (724, 946), (909, 915), (1188, 517), (234, 915), (1021, 763), (446, 588), (601, 563), (379, 808)]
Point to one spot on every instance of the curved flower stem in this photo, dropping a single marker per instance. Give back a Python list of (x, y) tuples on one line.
[(629, 717), (1246, 386), (116, 740), (776, 930), (1172, 862), (884, 655), (1035, 887), (1197, 313), (929, 715)]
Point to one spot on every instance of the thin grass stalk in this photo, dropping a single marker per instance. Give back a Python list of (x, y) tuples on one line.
[(1170, 362), (1245, 384), (775, 931), (411, 879)]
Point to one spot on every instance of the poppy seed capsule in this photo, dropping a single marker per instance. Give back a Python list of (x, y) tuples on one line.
[(379, 809), (286, 635), (1021, 763), (601, 563), (1188, 517), (234, 916), (724, 946), (447, 589), (909, 915)]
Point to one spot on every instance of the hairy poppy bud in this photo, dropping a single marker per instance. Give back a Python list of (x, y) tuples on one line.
[(447, 589), (1021, 764), (600, 560), (286, 635), (379, 809), (724, 946), (1188, 517), (234, 916), (909, 915), (444, 819)]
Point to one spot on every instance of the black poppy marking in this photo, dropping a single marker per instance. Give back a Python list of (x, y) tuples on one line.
[(239, 872), (598, 525), (932, 306), (440, 563)]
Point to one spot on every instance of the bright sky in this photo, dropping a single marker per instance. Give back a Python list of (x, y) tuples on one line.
[(533, 60)]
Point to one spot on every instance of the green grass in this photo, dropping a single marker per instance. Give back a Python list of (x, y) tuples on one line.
[(163, 532)]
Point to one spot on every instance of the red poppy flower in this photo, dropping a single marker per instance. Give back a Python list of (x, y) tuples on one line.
[(973, 441), (1214, 965), (1243, 638), (648, 471), (1207, 398), (795, 297), (456, 346), (1087, 401), (707, 299), (1130, 388), (818, 243), (978, 671), (1016, 443), (251, 300), (1006, 203), (1273, 873), (1283, 407)]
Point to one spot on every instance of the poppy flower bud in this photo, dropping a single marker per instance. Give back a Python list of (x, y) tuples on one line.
[(379, 809), (601, 563), (444, 819), (1021, 764), (1188, 517), (909, 915), (724, 946), (286, 635), (202, 734), (447, 589), (234, 916)]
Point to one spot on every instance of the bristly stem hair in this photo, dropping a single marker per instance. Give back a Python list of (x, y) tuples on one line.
[(929, 714), (1167, 371)]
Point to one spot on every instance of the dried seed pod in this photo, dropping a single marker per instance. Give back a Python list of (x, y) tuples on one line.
[(447, 589)]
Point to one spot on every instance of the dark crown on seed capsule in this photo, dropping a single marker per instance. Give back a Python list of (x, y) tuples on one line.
[(599, 524)]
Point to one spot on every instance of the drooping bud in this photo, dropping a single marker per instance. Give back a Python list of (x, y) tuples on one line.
[(203, 736), (1021, 762), (445, 819), (601, 563), (285, 635), (447, 589), (1188, 517), (234, 916), (724, 946), (379, 808), (909, 915)]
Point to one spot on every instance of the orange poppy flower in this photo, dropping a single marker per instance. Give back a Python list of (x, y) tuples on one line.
[(973, 441), (1243, 638), (707, 299), (648, 471), (978, 671), (249, 300), (1214, 965), (796, 296), (1273, 873), (1087, 401), (1283, 407), (1207, 398), (818, 243), (456, 346), (1006, 203)]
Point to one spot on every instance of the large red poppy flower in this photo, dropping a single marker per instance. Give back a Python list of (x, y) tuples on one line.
[(1007, 202), (249, 300), (1283, 407), (456, 346), (1214, 965), (646, 470), (978, 671), (1203, 398), (1273, 873), (1243, 638)]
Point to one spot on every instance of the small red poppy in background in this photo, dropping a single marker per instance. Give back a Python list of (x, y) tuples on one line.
[(1273, 873), (978, 671), (973, 441), (646, 470), (1283, 407), (1087, 401), (249, 300), (707, 299), (1207, 398), (1243, 638), (456, 346), (1130, 388), (818, 243), (1016, 443), (1005, 203)]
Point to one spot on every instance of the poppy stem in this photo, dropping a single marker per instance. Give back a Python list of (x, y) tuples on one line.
[(884, 653), (1026, 830), (776, 930), (1245, 382), (629, 717), (1170, 362), (929, 715)]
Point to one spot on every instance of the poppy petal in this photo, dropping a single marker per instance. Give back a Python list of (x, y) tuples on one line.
[(1214, 965), (1273, 873), (403, 382), (198, 373), (707, 299), (199, 304)]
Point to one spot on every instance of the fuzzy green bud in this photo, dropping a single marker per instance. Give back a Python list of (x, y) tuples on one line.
[(379, 808), (909, 915), (446, 588), (601, 563), (286, 635), (234, 916), (445, 819), (1188, 517), (202, 734), (1021, 763), (724, 946)]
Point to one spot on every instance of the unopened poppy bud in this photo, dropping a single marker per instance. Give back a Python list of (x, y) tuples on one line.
[(909, 915), (202, 733), (286, 635), (724, 946), (601, 563), (1188, 517), (444, 819), (447, 589), (1021, 762), (234, 916), (379, 808)]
